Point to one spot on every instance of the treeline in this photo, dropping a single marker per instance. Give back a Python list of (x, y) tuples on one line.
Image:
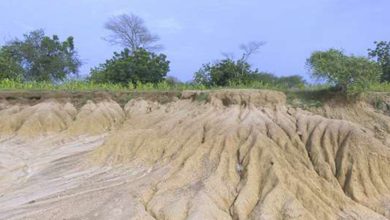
[(40, 58)]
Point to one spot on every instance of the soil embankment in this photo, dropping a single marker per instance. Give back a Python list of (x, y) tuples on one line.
[(228, 154)]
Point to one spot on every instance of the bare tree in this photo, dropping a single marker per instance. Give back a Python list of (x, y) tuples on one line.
[(250, 48), (131, 32)]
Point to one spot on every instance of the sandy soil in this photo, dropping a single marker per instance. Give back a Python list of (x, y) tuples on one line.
[(240, 154)]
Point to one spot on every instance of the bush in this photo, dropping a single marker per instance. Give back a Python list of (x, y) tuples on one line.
[(140, 66), (238, 73), (349, 74), (223, 73)]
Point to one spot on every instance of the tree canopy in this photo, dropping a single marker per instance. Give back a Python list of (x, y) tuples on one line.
[(132, 67), (40, 58), (9, 66), (345, 72), (382, 55)]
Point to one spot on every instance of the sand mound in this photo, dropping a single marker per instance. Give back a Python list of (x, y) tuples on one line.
[(244, 162), (53, 117), (235, 155), (366, 115), (43, 118), (242, 97), (260, 98), (97, 118)]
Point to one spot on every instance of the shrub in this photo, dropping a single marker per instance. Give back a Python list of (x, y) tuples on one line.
[(125, 67), (223, 72), (239, 74)]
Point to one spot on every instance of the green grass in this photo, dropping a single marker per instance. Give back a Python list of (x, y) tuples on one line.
[(77, 85), (307, 97), (379, 87), (90, 86), (67, 86)]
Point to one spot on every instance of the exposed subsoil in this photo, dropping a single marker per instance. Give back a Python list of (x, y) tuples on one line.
[(232, 154)]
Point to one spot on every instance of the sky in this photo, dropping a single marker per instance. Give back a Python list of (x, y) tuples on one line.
[(195, 32)]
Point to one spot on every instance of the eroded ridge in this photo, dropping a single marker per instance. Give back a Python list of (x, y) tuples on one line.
[(242, 154)]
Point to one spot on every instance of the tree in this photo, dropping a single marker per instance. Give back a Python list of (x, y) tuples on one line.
[(132, 67), (43, 58), (382, 55), (247, 50), (130, 31), (345, 72), (9, 66)]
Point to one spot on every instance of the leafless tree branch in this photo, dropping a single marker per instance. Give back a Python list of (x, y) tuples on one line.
[(250, 49), (130, 31)]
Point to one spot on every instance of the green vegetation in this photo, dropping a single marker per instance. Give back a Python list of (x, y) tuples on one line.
[(84, 85), (382, 56), (379, 87), (135, 67), (9, 66), (8, 84), (39, 58), (349, 74), (231, 73), (39, 62)]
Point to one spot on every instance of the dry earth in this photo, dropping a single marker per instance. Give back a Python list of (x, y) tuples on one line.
[(241, 154)]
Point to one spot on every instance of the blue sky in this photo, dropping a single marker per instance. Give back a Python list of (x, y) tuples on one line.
[(196, 32)]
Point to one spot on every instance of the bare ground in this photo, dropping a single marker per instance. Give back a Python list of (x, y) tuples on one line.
[(236, 154)]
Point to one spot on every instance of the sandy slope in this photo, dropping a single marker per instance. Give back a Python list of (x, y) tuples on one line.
[(243, 154)]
